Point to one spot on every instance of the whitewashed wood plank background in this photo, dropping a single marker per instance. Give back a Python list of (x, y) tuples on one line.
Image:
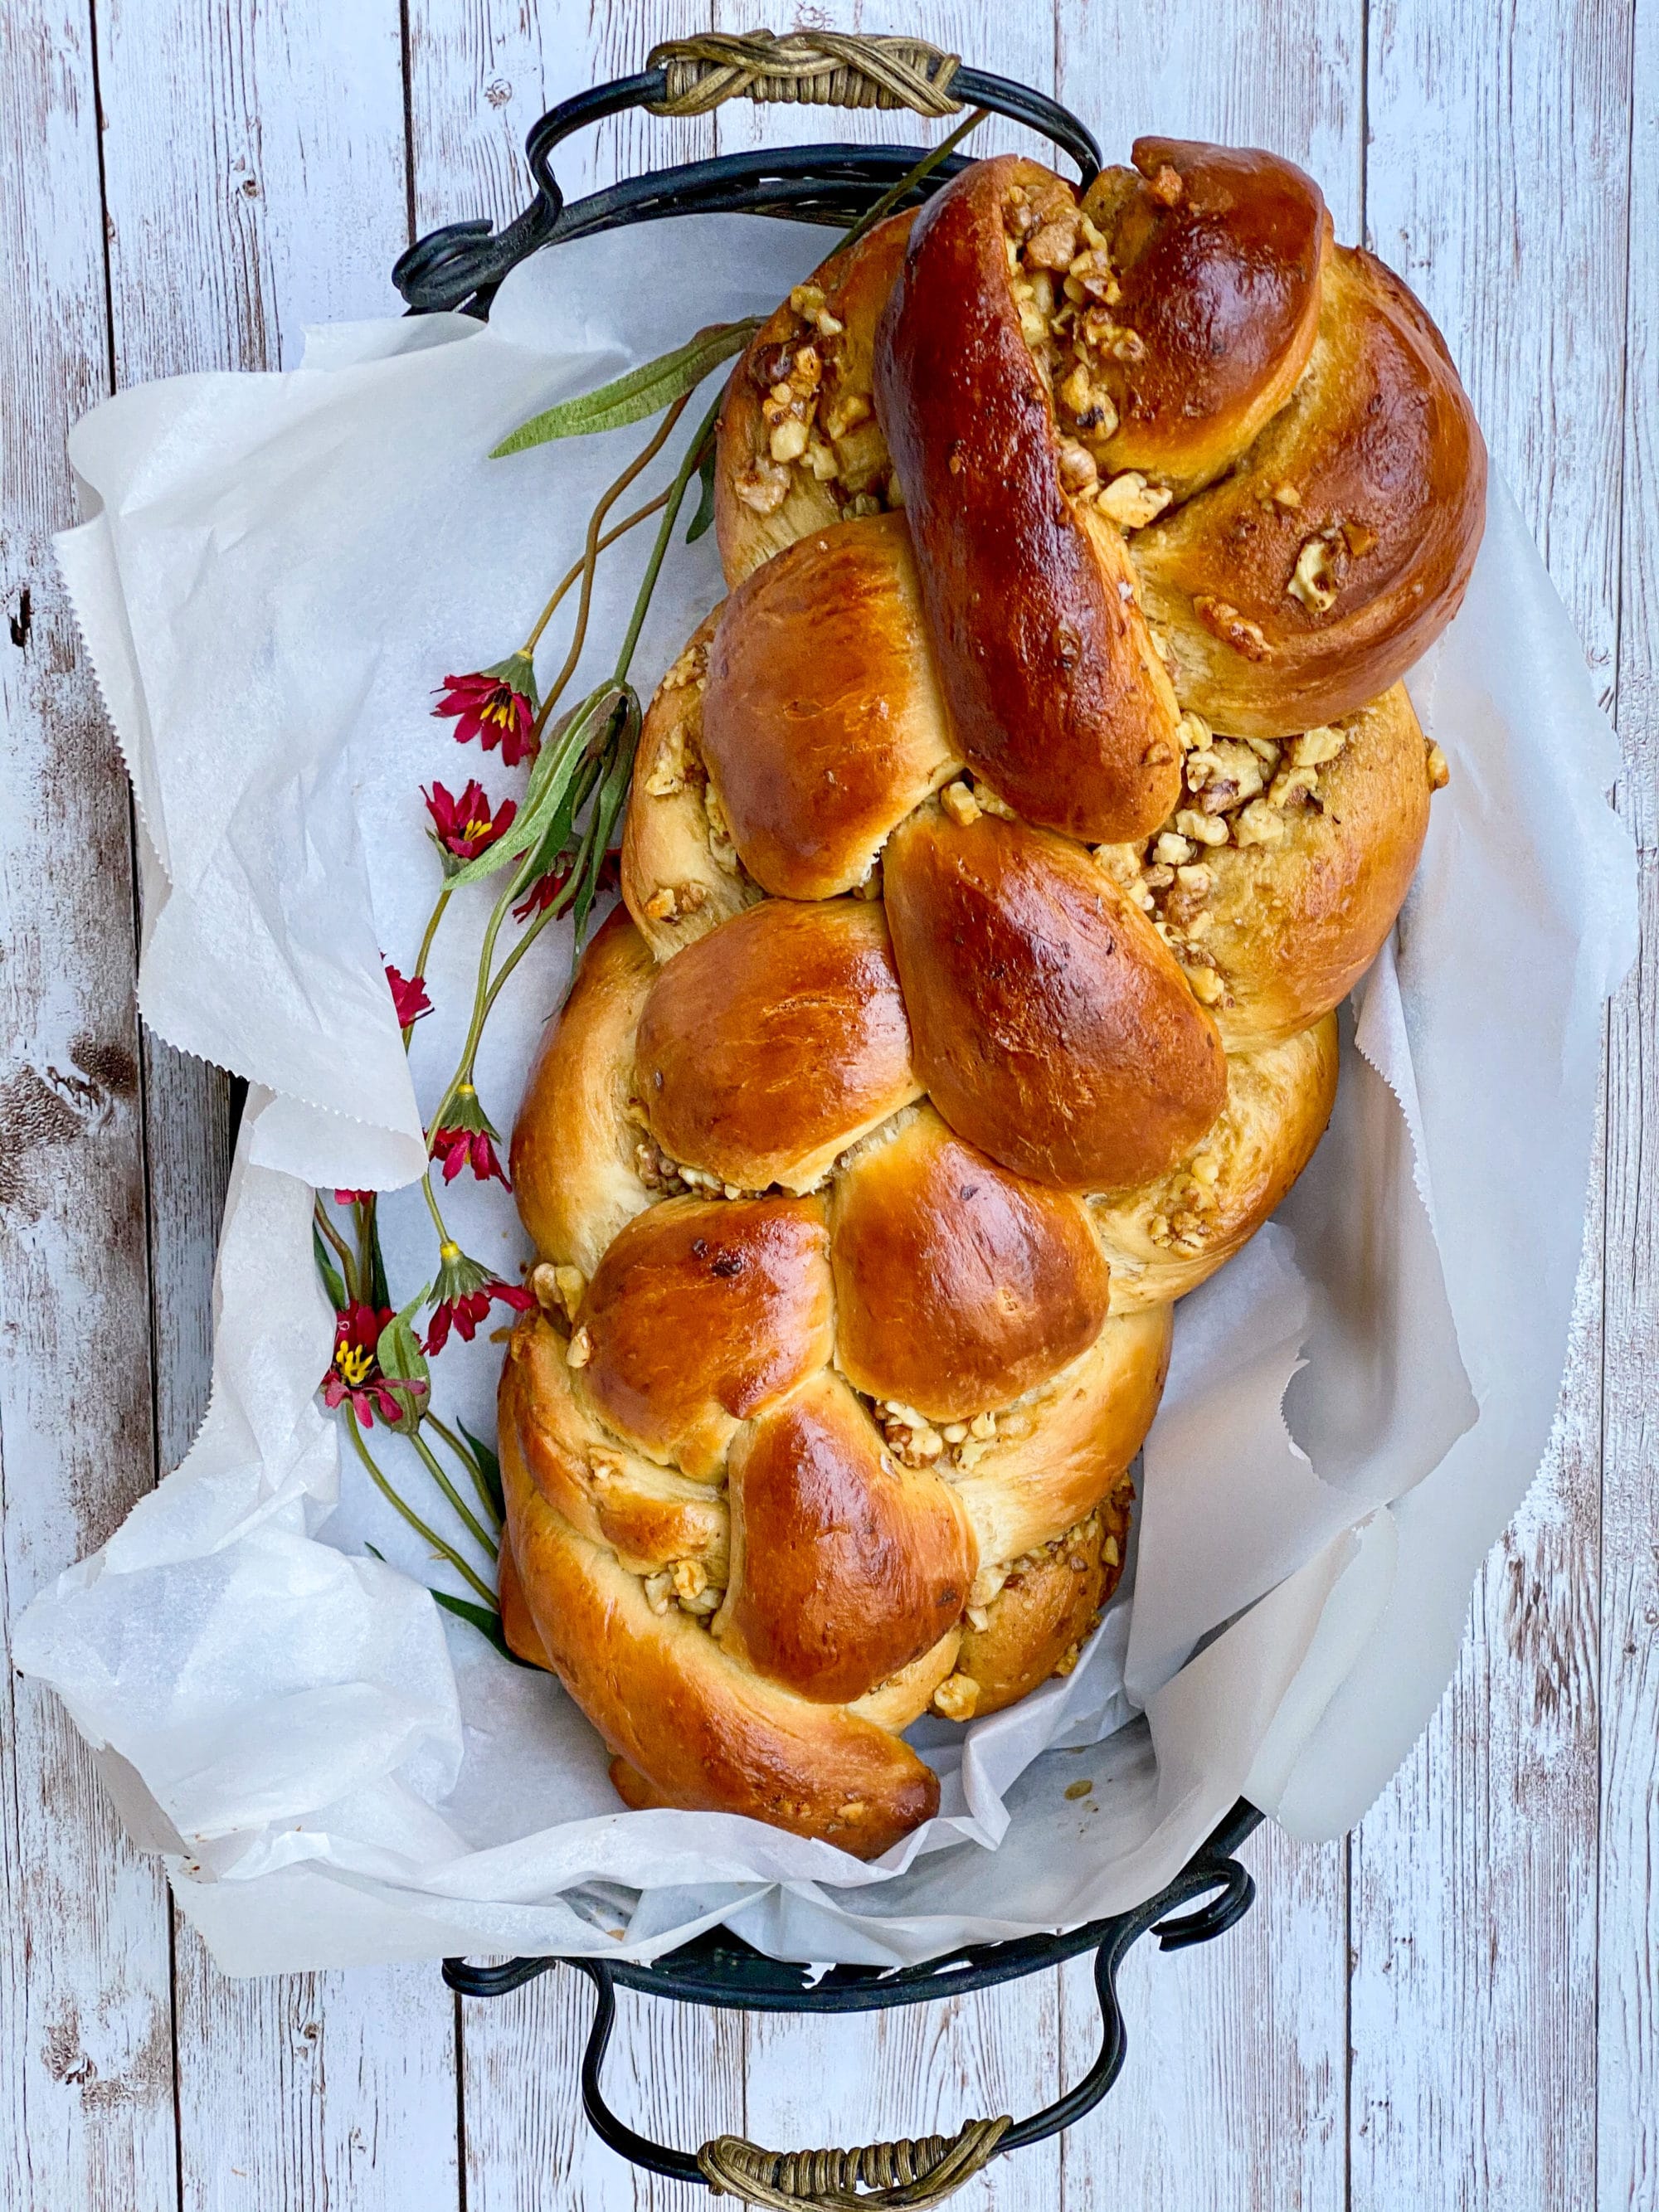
[(1458, 2008)]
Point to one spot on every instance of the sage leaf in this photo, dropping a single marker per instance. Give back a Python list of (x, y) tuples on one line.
[(326, 1268), (641, 392), (705, 513), (403, 1362), (487, 1624), (489, 1466)]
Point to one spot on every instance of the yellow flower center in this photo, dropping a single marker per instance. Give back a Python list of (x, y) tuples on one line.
[(477, 828), (447, 1253), (353, 1363), (499, 711)]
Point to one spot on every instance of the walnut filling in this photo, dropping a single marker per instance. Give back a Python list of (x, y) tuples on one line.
[(815, 421), (684, 1582), (958, 1697), (1061, 274), (1234, 791), (914, 1441)]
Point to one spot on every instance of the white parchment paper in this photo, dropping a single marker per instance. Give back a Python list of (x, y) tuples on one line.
[(277, 572)]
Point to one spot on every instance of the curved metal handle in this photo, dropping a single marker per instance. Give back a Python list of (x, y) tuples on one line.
[(461, 264), (930, 2169)]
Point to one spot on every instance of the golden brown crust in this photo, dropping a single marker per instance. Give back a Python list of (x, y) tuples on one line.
[(1053, 1028), (822, 726), (649, 1516), (761, 506), (1055, 694), (1045, 1611), (518, 1628), (774, 1042), (958, 1286), (701, 1313), (1312, 577), (845, 1567), (678, 880), (1215, 254), (1167, 1236), (1061, 1449), (704, 1731), (573, 1157), (1293, 925)]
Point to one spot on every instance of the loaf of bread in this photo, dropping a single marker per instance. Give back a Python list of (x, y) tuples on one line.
[(998, 853)]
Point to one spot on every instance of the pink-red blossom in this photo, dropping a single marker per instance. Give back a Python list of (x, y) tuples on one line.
[(408, 996), (466, 1293), (496, 705), (464, 827), (354, 1375), (545, 889), (464, 1148)]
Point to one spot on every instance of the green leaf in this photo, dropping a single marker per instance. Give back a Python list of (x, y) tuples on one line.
[(379, 1293), (705, 513), (327, 1270), (489, 1466), (607, 811), (643, 390), (402, 1360), (487, 1624), (925, 167)]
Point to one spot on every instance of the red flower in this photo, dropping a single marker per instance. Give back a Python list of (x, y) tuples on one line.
[(466, 1293), (460, 1148), (408, 997), (354, 1375), (354, 1197), (545, 889), (464, 827), (497, 706), (468, 1138)]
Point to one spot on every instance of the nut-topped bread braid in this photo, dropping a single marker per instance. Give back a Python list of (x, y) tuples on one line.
[(997, 856)]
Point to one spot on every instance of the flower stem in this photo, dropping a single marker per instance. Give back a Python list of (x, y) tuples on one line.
[(590, 552), (444, 1551), (430, 1461), (470, 1464), (677, 492), (342, 1251), (421, 957), (549, 912), (619, 530), (438, 1223)]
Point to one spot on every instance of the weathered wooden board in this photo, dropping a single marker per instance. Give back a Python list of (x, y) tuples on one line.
[(280, 185), (1496, 183), (83, 1957), (1628, 1951)]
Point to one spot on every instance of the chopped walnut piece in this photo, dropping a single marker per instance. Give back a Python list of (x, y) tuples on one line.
[(764, 487), (1120, 862), (1259, 824), (1055, 245), (570, 1282), (1285, 494), (1077, 471), (1226, 777), (988, 802), (660, 904), (1439, 772), (788, 440), (1166, 187), (545, 1287), (1315, 580), (1131, 502), (846, 414), (960, 804), (1171, 850), (957, 1696), (690, 1579), (579, 1350), (1202, 829), (1292, 784), (660, 1591), (1316, 746), (1206, 985), (1194, 733), (982, 1426), (1224, 622)]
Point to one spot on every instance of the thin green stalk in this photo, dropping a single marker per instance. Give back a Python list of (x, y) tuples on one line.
[(438, 1223), (558, 905), (422, 955), (430, 1461), (341, 1250), (890, 198), (665, 531), (571, 575), (591, 553), (430, 1536), (432, 1421)]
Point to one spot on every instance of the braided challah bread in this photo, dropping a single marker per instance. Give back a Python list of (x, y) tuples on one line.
[(997, 855)]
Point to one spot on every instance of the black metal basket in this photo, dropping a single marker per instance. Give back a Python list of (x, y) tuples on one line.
[(460, 267)]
